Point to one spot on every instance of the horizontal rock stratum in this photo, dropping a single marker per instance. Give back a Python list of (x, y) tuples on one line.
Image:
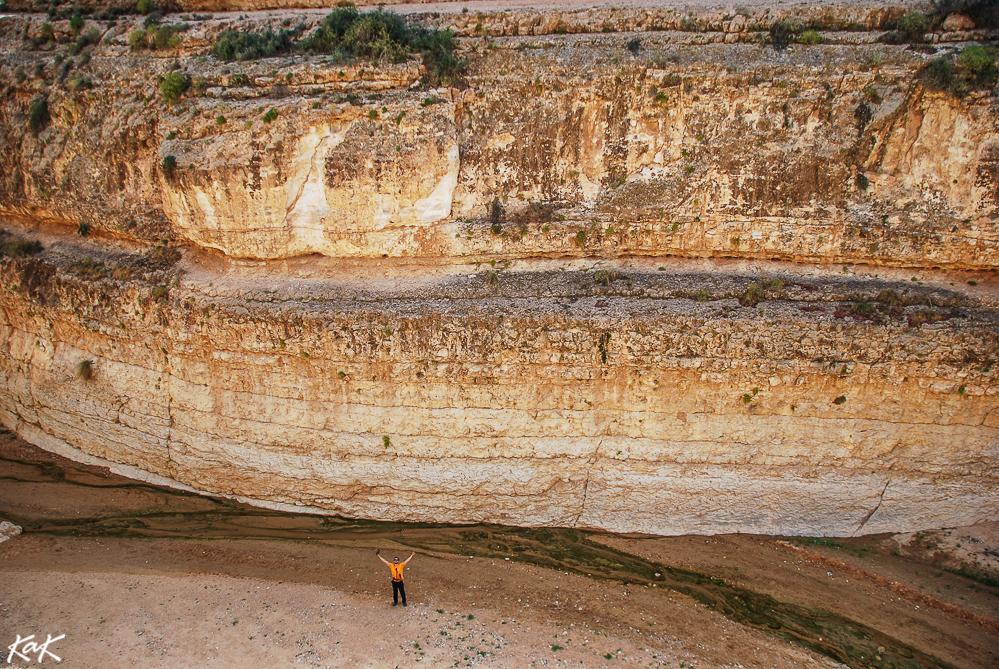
[(666, 281)]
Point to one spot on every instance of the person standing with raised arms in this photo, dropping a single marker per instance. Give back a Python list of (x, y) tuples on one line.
[(397, 568)]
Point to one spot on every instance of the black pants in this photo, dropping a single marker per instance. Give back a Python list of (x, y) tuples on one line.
[(398, 588)]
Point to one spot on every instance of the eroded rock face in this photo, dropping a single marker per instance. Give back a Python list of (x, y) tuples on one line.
[(279, 361), (537, 400), (829, 153)]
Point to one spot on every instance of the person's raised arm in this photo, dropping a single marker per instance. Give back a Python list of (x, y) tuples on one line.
[(378, 554), (410, 557)]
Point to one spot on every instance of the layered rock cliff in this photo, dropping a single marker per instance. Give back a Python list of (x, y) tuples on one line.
[(482, 303)]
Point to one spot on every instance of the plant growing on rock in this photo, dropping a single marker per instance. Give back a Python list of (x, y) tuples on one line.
[(84, 370), (752, 295), (346, 34), (910, 29), (975, 69), (810, 37), (156, 39), (88, 268), (861, 309), (17, 248), (173, 86), (783, 33), (169, 166), (77, 83), (603, 345), (137, 40), (495, 216), (863, 115), (38, 115), (605, 277), (238, 45), (92, 36)]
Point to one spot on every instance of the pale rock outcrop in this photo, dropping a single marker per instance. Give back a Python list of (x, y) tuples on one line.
[(957, 22), (8, 530)]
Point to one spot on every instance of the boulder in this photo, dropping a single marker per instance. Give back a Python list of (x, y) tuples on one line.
[(8, 530), (958, 22)]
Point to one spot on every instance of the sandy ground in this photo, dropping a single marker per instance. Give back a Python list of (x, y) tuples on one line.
[(224, 599), (156, 603)]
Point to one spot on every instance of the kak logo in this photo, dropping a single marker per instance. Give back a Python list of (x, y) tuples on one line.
[(23, 653)]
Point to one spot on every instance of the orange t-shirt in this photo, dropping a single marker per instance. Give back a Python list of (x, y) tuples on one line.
[(397, 570)]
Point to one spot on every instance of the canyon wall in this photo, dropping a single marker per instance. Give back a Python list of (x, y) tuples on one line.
[(666, 281)]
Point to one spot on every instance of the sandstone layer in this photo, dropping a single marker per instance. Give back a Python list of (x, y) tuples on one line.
[(480, 303)]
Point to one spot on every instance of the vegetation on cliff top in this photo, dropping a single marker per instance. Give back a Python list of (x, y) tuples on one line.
[(346, 34), (974, 69)]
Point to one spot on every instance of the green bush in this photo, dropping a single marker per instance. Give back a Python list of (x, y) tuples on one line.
[(17, 248), (910, 29), (976, 60), (346, 34), (752, 295), (76, 24), (862, 308), (975, 70), (783, 33), (810, 37), (173, 87), (220, 120), (165, 38), (92, 36), (938, 75), (169, 166), (238, 45), (913, 26), (271, 115), (889, 298), (78, 82), (137, 40), (38, 115), (144, 6)]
